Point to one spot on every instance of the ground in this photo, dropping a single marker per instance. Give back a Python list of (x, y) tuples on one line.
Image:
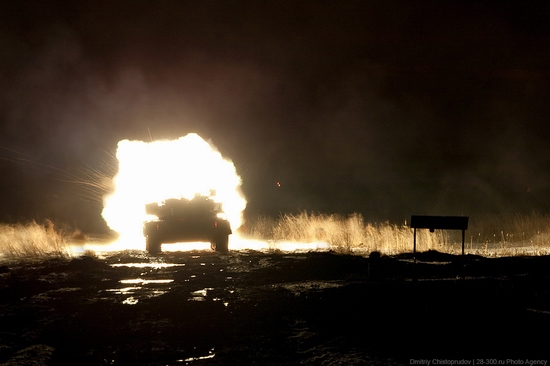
[(273, 308)]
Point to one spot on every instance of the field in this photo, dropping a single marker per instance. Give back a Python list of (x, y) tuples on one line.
[(487, 235), (272, 307)]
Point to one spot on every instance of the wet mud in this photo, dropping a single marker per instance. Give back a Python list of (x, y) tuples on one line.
[(272, 308)]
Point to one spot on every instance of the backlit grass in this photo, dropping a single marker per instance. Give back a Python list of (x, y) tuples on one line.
[(32, 240), (488, 235)]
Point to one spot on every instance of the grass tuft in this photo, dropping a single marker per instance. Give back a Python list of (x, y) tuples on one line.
[(32, 240)]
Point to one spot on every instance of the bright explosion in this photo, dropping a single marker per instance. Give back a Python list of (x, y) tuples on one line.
[(155, 171)]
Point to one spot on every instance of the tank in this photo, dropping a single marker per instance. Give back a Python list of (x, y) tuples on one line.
[(183, 220)]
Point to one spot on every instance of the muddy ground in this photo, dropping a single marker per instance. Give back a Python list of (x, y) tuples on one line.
[(272, 308)]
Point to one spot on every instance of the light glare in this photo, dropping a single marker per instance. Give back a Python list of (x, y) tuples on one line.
[(155, 171)]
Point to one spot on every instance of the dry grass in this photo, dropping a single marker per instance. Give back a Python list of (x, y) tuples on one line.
[(345, 234), (489, 235), (509, 235), (509, 228), (32, 240)]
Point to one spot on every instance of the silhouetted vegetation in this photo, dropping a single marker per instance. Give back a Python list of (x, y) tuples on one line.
[(489, 235)]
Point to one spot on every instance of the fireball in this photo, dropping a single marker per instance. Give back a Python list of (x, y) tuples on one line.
[(155, 171)]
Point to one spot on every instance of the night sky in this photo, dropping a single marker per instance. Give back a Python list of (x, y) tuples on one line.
[(386, 108)]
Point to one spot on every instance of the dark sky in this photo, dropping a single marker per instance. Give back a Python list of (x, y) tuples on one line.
[(387, 108)]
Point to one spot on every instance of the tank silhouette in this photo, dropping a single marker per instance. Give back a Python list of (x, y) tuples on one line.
[(183, 220)]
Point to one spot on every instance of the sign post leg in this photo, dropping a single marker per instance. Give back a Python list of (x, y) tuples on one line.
[(414, 255), (462, 259)]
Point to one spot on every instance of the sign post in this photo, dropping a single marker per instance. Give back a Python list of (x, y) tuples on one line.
[(440, 223)]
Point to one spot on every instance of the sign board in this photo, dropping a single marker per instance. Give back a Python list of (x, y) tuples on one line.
[(439, 222)]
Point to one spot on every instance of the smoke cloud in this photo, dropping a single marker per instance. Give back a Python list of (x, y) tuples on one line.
[(384, 109)]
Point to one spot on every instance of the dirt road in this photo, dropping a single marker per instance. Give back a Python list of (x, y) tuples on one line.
[(271, 308)]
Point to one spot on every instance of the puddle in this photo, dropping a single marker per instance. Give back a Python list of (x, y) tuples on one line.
[(200, 295), (148, 265), (211, 354), (130, 301), (298, 288), (55, 294), (140, 291), (123, 291), (145, 282)]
